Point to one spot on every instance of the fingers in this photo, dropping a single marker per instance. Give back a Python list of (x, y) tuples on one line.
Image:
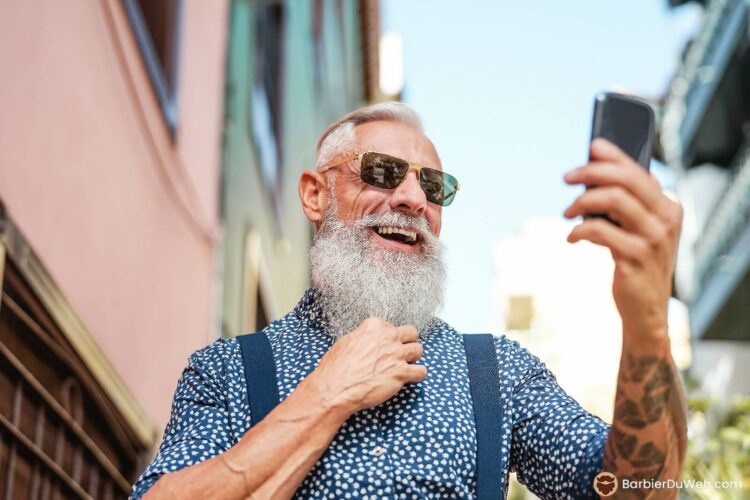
[(610, 166), (602, 149), (619, 204), (630, 176), (412, 352), (407, 333), (413, 374), (619, 241)]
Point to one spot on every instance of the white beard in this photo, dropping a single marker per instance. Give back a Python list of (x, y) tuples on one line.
[(357, 280)]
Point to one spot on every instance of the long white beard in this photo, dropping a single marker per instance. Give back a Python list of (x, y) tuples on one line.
[(357, 280)]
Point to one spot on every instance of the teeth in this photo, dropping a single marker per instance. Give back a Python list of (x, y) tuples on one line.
[(411, 235)]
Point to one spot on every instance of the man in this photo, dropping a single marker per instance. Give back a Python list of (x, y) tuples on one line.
[(375, 393)]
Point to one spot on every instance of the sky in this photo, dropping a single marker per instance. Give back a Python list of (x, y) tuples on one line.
[(506, 90)]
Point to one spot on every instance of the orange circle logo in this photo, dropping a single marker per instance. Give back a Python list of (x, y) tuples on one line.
[(605, 484)]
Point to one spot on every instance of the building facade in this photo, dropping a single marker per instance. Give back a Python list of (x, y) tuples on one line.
[(110, 158), (283, 91), (149, 156), (704, 138)]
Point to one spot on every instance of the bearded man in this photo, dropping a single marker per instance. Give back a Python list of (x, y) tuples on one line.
[(377, 396)]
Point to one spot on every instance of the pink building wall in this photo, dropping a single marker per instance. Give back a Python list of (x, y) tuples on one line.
[(124, 218)]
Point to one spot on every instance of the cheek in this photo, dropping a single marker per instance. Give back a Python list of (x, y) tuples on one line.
[(434, 217), (362, 200), (369, 198)]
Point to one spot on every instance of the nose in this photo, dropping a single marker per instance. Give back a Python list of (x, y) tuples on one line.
[(409, 196)]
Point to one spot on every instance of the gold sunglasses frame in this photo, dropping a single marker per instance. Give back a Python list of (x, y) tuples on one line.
[(358, 157)]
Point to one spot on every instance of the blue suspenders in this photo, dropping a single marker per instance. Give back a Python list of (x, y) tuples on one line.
[(484, 383), (260, 375)]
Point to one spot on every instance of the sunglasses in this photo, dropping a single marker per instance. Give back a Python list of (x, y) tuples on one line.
[(388, 172)]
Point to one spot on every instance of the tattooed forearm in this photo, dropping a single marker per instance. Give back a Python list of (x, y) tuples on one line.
[(648, 436)]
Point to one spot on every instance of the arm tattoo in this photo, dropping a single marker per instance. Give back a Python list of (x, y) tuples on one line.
[(648, 436)]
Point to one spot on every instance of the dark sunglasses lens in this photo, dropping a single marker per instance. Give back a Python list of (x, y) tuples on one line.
[(383, 171), (439, 187)]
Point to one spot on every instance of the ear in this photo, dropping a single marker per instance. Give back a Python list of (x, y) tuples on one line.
[(313, 192)]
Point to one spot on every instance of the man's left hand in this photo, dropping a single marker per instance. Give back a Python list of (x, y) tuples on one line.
[(643, 246)]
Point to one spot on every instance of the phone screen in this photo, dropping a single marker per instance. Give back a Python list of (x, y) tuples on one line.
[(627, 122)]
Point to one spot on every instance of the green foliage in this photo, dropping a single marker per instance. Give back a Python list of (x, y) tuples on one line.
[(718, 447)]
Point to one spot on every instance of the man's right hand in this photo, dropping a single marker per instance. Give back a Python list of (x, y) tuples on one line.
[(369, 365)]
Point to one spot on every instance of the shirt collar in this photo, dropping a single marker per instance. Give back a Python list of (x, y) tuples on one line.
[(310, 311)]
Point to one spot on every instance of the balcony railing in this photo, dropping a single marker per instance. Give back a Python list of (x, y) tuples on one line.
[(729, 218), (695, 83)]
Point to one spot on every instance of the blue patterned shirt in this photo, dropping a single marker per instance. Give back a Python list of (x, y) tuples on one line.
[(420, 443)]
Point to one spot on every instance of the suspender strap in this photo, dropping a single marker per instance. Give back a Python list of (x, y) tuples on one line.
[(260, 375), (484, 384)]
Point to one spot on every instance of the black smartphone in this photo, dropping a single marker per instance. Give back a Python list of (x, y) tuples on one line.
[(627, 122)]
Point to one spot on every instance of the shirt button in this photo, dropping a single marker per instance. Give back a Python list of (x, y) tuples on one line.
[(313, 315), (377, 451)]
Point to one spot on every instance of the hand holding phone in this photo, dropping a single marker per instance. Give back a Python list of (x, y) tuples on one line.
[(628, 123), (644, 246)]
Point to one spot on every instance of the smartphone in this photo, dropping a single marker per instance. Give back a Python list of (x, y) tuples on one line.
[(627, 122)]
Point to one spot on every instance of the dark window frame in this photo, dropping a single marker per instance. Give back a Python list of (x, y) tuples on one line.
[(166, 94)]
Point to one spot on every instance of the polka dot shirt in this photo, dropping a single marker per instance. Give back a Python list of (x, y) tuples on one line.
[(419, 444)]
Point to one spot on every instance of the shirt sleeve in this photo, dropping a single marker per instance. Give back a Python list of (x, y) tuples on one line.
[(198, 426), (557, 446)]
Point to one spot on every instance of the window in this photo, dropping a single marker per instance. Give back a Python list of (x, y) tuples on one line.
[(329, 45), (266, 92), (156, 24)]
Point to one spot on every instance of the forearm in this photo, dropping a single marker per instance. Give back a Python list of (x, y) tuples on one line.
[(271, 460), (648, 436)]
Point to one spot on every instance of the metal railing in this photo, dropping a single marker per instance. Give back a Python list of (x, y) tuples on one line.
[(698, 74), (729, 217)]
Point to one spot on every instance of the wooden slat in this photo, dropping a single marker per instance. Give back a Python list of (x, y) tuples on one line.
[(63, 415), (20, 438)]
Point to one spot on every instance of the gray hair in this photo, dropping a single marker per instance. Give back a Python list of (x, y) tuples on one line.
[(339, 138)]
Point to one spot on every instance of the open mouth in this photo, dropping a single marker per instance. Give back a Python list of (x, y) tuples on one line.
[(398, 234)]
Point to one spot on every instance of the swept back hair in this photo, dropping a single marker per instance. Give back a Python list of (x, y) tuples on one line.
[(339, 138)]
